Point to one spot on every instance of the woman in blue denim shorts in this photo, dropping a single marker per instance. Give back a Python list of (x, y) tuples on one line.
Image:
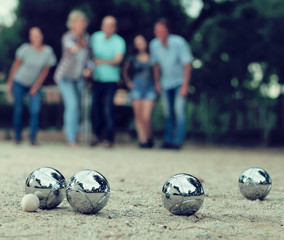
[(143, 93)]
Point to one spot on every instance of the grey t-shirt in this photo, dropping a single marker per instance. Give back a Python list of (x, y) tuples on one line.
[(33, 62)]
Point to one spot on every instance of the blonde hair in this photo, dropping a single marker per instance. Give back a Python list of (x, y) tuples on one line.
[(73, 15)]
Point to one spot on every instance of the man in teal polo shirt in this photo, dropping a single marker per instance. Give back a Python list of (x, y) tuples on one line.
[(108, 49)]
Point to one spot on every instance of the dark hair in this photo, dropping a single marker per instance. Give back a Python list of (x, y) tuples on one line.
[(135, 50), (165, 22)]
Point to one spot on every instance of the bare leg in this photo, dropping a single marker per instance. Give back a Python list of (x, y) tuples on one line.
[(147, 109), (137, 106)]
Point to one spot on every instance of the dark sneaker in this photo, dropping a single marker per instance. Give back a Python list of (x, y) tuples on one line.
[(95, 141), (166, 145), (150, 142), (143, 145), (34, 143), (176, 147)]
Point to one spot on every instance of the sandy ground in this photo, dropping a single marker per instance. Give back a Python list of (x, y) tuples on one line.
[(135, 210)]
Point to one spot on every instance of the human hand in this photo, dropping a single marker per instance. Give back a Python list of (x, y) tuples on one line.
[(87, 73), (98, 61), (81, 42), (9, 87), (10, 97), (158, 88), (183, 91), (33, 91), (130, 85)]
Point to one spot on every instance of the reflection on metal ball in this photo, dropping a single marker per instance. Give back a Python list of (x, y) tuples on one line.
[(255, 183), (87, 191), (183, 194), (48, 185)]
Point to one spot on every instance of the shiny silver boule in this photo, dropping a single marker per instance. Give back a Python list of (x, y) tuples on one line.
[(183, 194), (48, 185), (87, 191), (255, 183)]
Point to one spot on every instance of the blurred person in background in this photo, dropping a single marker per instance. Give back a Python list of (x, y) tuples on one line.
[(28, 72), (108, 49), (143, 93), (71, 70), (172, 67)]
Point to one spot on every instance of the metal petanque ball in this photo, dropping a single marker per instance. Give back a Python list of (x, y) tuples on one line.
[(48, 185), (255, 183), (87, 191), (183, 194)]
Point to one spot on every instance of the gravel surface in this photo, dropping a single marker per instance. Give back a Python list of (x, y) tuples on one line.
[(136, 177)]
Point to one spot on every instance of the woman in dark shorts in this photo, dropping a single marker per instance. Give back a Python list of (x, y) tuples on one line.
[(143, 93)]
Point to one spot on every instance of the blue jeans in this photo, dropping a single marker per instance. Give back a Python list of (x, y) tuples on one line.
[(19, 91), (71, 92), (175, 116), (103, 109)]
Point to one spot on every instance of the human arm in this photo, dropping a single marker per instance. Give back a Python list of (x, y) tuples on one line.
[(125, 74), (74, 49), (156, 72), (87, 72), (89, 65), (119, 49), (155, 65), (40, 80), (44, 72), (74, 46), (17, 63), (186, 58), (115, 61), (186, 79)]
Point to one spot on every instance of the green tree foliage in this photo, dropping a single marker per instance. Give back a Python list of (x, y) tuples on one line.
[(9, 38), (238, 36)]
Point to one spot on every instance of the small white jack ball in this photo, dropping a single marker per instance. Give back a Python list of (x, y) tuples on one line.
[(30, 203)]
